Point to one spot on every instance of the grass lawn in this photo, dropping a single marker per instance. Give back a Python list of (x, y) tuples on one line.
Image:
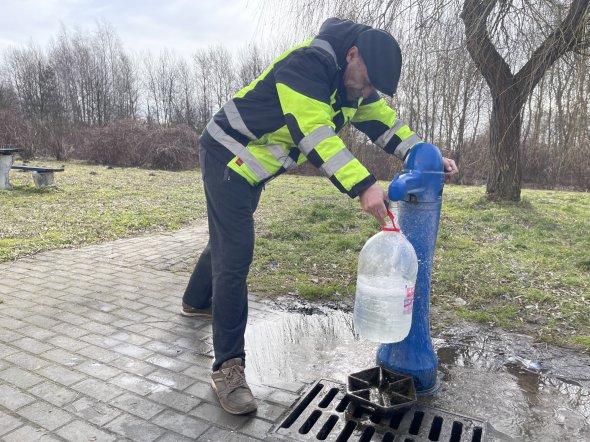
[(92, 204), (522, 266)]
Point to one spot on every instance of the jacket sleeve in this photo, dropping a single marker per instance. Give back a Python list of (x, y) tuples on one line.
[(379, 122), (303, 83)]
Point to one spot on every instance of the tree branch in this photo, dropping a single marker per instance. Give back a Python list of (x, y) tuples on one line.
[(569, 36), (488, 60)]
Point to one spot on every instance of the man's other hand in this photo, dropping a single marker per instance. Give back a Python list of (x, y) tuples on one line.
[(450, 166)]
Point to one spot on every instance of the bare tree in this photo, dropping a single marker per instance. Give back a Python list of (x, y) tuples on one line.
[(204, 110), (126, 88), (222, 74), (251, 63), (62, 53), (32, 79), (8, 99), (511, 91), (185, 105), (161, 84), (97, 80), (35, 83)]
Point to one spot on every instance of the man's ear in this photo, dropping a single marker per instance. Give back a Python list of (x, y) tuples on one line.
[(352, 53)]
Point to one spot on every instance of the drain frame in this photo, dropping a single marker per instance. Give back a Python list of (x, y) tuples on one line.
[(326, 412)]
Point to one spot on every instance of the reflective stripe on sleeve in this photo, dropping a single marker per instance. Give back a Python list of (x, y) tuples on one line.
[(281, 156), (388, 134), (236, 121), (336, 162), (309, 142), (238, 150), (402, 149)]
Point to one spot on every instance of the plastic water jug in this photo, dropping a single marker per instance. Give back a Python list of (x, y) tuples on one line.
[(385, 284)]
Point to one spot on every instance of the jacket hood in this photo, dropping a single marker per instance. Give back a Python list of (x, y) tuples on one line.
[(341, 34), (379, 50)]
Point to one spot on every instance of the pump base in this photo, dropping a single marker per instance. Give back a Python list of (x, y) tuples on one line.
[(430, 391)]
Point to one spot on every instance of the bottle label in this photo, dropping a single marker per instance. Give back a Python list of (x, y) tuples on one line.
[(408, 301)]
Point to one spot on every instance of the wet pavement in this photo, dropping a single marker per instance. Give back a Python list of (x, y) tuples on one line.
[(92, 348), (526, 391)]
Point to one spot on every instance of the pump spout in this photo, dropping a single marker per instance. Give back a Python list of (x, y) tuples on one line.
[(405, 184), (422, 178)]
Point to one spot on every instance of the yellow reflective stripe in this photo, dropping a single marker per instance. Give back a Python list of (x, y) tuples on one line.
[(235, 119), (378, 111), (252, 85), (280, 136), (313, 119), (404, 132), (405, 145), (309, 112), (336, 162), (308, 143), (265, 157), (388, 134), (238, 150), (351, 174)]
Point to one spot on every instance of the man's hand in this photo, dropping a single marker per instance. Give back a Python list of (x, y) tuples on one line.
[(373, 201), (450, 166)]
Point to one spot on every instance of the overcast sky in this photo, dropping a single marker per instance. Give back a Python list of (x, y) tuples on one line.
[(182, 25)]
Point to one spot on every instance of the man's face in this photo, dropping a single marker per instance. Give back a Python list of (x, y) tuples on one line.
[(355, 78)]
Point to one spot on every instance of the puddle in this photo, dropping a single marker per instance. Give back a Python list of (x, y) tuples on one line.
[(527, 391)]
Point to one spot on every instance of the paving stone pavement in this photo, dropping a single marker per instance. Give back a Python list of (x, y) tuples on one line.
[(92, 348)]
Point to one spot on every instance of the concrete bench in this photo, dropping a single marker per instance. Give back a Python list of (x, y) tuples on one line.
[(6, 159), (42, 176)]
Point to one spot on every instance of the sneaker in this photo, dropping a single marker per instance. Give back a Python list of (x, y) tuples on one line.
[(187, 310), (229, 382)]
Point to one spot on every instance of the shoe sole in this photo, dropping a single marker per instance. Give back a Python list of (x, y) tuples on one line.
[(195, 314), (250, 409)]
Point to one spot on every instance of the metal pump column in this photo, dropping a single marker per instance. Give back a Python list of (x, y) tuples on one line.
[(419, 188)]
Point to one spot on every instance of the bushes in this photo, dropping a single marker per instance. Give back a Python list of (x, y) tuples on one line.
[(130, 143), (125, 143), (16, 131)]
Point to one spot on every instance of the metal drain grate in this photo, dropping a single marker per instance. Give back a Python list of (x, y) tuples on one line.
[(325, 413)]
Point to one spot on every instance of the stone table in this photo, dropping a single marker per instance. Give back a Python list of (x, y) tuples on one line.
[(6, 160)]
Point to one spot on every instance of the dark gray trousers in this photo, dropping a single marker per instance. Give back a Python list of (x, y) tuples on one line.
[(219, 278)]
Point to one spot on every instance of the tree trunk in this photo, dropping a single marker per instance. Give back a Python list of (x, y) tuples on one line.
[(504, 173)]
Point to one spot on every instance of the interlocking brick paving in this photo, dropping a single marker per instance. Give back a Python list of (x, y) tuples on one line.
[(92, 348)]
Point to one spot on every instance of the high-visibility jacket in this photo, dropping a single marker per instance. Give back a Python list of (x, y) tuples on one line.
[(294, 110)]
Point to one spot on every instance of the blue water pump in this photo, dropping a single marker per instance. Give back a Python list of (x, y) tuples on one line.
[(419, 189)]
